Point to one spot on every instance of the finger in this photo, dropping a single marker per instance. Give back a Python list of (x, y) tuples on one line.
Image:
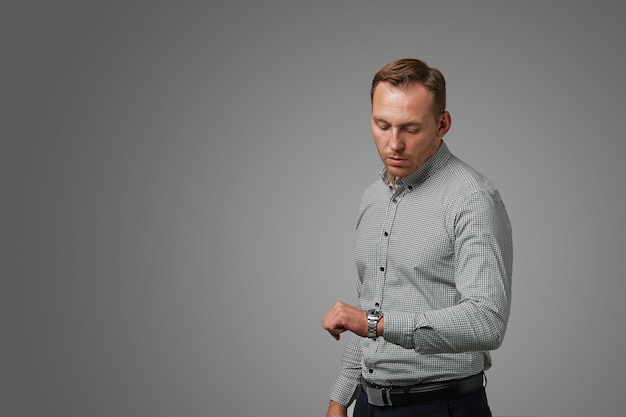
[(337, 336)]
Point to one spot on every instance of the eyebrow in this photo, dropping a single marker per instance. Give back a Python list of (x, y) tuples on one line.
[(403, 125)]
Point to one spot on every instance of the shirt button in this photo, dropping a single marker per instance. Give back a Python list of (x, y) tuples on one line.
[(395, 200), (386, 234), (371, 371), (382, 268)]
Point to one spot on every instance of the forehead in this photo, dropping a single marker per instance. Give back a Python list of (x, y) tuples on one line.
[(412, 99)]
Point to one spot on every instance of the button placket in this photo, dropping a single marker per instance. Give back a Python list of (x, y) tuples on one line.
[(384, 243)]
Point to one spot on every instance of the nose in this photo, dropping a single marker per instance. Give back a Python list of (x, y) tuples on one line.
[(395, 141)]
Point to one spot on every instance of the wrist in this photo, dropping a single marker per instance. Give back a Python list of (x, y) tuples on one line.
[(336, 409)]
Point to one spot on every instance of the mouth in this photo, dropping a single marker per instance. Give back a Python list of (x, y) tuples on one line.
[(394, 161)]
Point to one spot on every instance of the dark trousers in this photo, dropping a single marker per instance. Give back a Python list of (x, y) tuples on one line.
[(473, 404)]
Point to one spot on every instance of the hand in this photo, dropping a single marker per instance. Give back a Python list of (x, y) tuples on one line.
[(342, 317)]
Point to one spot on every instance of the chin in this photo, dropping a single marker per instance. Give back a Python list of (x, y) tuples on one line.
[(398, 172)]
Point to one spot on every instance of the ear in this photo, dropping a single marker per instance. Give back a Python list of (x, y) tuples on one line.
[(445, 121)]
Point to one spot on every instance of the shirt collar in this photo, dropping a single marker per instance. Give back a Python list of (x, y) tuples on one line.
[(432, 164)]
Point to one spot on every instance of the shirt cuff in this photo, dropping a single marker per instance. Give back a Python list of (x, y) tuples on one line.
[(399, 327), (344, 390)]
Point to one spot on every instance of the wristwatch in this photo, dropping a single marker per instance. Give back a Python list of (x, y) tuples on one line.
[(373, 315)]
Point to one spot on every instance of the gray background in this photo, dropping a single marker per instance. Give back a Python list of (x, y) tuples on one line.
[(180, 183)]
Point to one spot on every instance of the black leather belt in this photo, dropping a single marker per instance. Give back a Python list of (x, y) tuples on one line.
[(423, 393)]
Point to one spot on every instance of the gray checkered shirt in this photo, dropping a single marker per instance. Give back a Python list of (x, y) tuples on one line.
[(436, 254)]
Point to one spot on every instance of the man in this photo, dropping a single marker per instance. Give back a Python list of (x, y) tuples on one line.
[(433, 253)]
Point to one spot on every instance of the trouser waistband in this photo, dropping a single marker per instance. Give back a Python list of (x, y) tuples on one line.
[(423, 393)]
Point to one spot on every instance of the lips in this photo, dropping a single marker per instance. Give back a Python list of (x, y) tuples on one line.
[(395, 161)]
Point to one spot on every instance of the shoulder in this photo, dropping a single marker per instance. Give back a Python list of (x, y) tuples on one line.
[(373, 198), (374, 191), (466, 180), (463, 189)]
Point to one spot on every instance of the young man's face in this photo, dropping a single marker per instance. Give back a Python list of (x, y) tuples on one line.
[(405, 130)]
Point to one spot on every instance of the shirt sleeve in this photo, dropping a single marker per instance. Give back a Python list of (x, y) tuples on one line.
[(344, 388), (483, 268)]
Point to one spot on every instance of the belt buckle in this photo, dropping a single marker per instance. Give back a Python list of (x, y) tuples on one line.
[(379, 396)]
